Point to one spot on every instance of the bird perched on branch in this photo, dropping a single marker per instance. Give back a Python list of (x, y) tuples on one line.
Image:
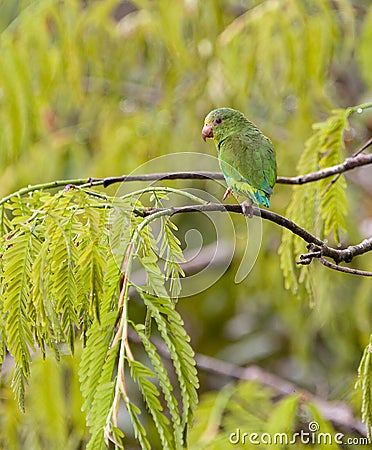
[(246, 156)]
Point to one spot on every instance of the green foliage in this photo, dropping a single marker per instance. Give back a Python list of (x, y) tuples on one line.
[(150, 393), (290, 27), (364, 49), (96, 372), (44, 285), (364, 384), (96, 88), (107, 76), (53, 416), (170, 250), (17, 270), (247, 414), (165, 385), (320, 206), (60, 275), (170, 325)]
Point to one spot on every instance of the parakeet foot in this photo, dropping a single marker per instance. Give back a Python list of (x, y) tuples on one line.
[(247, 208), (226, 194)]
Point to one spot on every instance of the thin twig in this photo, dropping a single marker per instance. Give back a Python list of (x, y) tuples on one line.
[(343, 269), (362, 148)]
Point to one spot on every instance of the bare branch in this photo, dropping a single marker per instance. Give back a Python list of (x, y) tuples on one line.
[(357, 160), (363, 147), (338, 255), (350, 163), (343, 269), (264, 213), (317, 248), (336, 412), (158, 176)]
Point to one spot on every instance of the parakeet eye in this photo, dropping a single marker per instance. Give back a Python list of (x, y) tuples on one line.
[(218, 120)]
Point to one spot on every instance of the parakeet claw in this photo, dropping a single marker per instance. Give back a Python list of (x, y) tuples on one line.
[(226, 194), (247, 208)]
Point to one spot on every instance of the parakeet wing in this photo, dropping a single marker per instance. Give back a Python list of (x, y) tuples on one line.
[(253, 156)]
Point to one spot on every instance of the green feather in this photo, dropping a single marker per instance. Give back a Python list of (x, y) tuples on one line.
[(246, 155)]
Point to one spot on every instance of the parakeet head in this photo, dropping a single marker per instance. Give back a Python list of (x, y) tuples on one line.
[(222, 122)]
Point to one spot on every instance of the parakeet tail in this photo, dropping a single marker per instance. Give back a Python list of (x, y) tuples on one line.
[(262, 198)]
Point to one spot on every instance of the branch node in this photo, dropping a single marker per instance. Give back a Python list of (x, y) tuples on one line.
[(138, 212), (348, 256), (69, 187), (315, 251), (304, 261)]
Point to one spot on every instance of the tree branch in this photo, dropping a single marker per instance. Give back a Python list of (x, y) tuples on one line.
[(349, 164), (346, 254), (317, 248), (357, 160), (329, 264), (336, 412), (363, 147)]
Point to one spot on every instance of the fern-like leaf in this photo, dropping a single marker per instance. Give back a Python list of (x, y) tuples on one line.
[(63, 280), (319, 206), (175, 337), (139, 430), (96, 378), (18, 259), (364, 383), (141, 375), (92, 261), (331, 152), (170, 250), (164, 383), (98, 361)]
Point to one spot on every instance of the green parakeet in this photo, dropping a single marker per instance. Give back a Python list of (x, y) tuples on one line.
[(246, 156)]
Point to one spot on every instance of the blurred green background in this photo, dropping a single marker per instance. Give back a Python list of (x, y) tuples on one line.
[(97, 88)]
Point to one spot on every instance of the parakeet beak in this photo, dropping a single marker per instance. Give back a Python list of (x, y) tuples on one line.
[(207, 132)]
